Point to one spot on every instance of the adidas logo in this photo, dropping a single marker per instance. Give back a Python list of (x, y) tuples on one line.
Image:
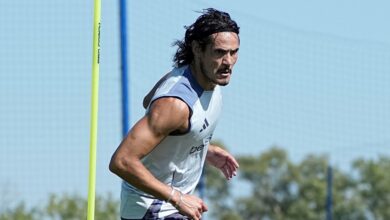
[(205, 125)]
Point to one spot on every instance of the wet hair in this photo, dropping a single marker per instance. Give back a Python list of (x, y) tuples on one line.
[(210, 22)]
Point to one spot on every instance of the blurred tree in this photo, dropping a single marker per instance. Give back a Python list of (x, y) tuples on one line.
[(75, 207), (373, 184), (107, 208), (20, 212), (279, 190), (347, 202), (66, 207), (283, 190), (311, 189), (272, 177)]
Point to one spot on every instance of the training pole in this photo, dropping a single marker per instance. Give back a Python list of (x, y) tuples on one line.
[(94, 110), (124, 80), (329, 197)]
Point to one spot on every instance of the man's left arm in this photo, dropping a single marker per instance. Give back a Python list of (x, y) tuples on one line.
[(222, 160)]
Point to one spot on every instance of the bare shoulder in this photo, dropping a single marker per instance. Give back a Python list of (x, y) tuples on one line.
[(169, 114), (150, 94)]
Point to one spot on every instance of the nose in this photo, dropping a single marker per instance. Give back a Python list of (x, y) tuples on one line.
[(228, 59)]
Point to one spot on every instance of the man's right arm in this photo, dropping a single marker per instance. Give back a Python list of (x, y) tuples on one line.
[(146, 134), (165, 116)]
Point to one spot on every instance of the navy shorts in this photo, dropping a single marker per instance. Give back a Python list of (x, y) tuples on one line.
[(174, 216)]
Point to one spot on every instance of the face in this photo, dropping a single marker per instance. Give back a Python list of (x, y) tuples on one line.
[(217, 60)]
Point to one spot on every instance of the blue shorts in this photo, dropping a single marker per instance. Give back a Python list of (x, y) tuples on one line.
[(174, 216)]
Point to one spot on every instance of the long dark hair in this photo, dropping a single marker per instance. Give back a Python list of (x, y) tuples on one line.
[(210, 22)]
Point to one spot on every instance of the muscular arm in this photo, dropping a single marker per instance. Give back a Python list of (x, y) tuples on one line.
[(165, 116)]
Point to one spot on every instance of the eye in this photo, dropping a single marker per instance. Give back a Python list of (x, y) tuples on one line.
[(234, 52), (220, 52)]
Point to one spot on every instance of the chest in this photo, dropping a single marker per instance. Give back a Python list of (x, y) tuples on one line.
[(205, 115)]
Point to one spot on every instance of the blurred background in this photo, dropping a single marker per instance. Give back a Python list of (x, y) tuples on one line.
[(307, 112)]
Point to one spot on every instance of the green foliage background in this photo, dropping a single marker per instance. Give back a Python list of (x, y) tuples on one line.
[(279, 189)]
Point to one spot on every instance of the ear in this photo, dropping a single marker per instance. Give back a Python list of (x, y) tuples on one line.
[(195, 48)]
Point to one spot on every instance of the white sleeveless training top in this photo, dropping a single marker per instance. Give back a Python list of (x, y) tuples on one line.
[(178, 160)]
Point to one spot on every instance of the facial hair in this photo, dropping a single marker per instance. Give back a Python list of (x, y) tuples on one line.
[(204, 73)]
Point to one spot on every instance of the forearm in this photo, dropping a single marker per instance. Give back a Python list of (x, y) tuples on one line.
[(145, 136), (126, 162), (222, 160), (211, 151), (135, 173)]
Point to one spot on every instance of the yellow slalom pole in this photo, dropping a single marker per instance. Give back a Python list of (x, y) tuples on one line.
[(94, 110)]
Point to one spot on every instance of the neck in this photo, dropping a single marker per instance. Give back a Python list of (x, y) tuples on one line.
[(204, 81)]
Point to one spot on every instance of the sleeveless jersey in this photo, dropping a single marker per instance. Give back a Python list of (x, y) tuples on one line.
[(178, 160)]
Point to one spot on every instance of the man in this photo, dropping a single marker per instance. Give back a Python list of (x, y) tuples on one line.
[(162, 157)]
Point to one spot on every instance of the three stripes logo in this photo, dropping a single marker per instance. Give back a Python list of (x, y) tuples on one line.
[(205, 125)]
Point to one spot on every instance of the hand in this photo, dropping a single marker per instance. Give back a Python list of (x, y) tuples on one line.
[(190, 205), (222, 160)]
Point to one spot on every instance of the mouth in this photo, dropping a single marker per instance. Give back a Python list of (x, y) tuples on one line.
[(225, 72)]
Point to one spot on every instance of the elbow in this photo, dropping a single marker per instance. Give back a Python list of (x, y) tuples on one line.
[(112, 166), (117, 165), (122, 165)]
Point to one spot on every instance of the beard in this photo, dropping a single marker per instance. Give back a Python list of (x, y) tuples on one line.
[(213, 80)]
